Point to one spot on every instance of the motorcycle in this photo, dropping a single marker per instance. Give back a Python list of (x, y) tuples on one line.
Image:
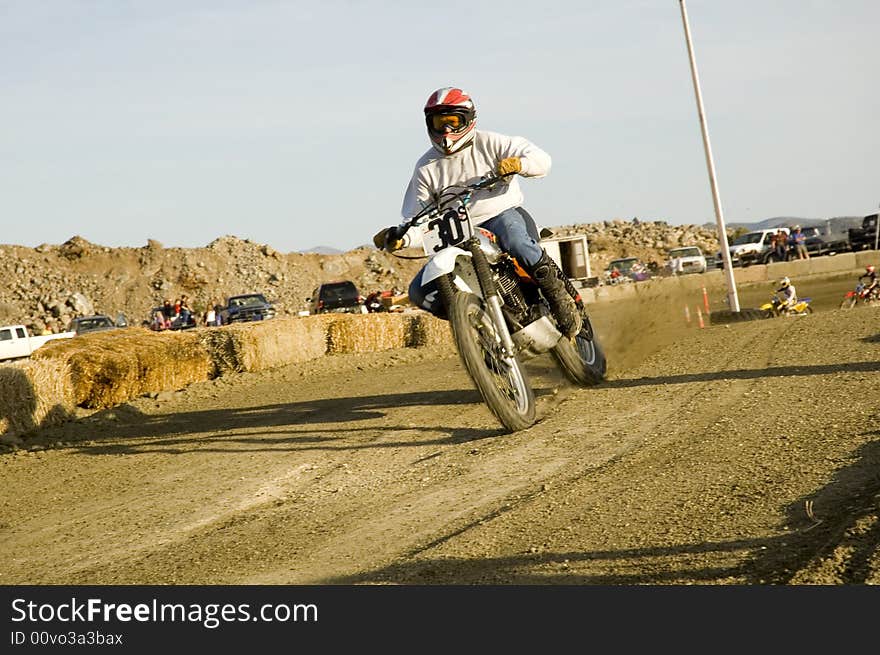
[(860, 295), (495, 309), (374, 303), (774, 308)]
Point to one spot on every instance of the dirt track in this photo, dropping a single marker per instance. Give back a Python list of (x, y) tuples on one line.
[(746, 454)]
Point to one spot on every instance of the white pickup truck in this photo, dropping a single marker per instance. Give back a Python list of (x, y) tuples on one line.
[(15, 341)]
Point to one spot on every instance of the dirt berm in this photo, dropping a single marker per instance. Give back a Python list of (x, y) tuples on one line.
[(737, 454)]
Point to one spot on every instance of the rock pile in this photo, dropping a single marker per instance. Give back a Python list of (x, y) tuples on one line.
[(647, 240)]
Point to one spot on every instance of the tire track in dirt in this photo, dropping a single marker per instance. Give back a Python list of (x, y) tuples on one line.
[(571, 451), (388, 469)]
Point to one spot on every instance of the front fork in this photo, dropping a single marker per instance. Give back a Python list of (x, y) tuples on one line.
[(490, 293)]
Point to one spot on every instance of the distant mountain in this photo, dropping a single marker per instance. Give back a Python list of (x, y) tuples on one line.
[(324, 250)]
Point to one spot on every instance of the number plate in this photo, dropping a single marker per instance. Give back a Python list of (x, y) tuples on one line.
[(444, 231)]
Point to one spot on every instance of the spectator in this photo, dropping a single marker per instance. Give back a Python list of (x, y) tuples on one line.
[(159, 322), (218, 311), (799, 239), (210, 316), (185, 311), (781, 245), (167, 310)]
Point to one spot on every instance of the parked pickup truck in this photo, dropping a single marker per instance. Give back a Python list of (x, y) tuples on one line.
[(749, 248), (247, 307), (817, 244), (864, 237), (15, 341)]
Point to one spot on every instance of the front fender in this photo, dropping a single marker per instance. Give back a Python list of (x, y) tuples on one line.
[(442, 263)]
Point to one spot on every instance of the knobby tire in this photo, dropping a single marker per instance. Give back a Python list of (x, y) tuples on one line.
[(581, 358), (501, 382)]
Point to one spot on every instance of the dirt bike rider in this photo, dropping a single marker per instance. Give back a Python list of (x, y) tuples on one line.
[(789, 295), (871, 274), (461, 154)]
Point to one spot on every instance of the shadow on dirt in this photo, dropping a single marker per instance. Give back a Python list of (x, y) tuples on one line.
[(748, 374), (825, 520), (874, 338), (254, 425), (834, 510), (550, 567)]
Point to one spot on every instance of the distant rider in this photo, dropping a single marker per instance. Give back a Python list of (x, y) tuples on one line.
[(789, 295), (871, 275), (459, 155)]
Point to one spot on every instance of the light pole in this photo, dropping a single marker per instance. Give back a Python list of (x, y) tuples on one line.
[(732, 298), (877, 231)]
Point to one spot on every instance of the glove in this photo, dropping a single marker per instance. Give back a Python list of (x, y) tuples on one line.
[(390, 239), (509, 165)]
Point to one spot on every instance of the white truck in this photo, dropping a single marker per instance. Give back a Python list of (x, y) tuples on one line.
[(748, 248), (16, 342), (687, 259)]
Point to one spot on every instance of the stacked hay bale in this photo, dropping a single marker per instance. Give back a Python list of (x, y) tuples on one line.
[(263, 345), (428, 330), (109, 368), (377, 332), (366, 333), (35, 394), (105, 369)]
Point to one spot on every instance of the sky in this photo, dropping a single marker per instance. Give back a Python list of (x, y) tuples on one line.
[(297, 124)]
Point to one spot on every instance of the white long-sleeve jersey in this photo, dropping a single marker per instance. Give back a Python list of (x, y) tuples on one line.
[(434, 171)]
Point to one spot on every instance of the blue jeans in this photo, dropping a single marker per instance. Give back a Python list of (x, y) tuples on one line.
[(517, 235)]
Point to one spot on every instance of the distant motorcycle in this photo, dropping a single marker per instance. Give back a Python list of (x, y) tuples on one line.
[(860, 295), (775, 308), (374, 303)]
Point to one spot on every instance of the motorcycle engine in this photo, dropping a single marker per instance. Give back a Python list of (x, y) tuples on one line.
[(509, 286)]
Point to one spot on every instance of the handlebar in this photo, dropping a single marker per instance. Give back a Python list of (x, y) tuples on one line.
[(457, 192)]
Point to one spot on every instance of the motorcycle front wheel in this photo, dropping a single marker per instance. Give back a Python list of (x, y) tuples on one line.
[(581, 359), (499, 378), (849, 303)]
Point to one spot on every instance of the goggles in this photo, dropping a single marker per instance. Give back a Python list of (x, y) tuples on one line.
[(454, 121)]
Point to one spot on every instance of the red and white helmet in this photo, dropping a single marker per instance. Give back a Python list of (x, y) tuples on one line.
[(869, 268), (450, 116)]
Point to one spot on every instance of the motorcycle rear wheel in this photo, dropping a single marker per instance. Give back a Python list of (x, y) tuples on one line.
[(582, 358), (500, 379)]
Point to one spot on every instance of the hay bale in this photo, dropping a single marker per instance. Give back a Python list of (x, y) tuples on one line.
[(35, 394), (428, 330), (367, 333), (109, 368), (220, 343), (263, 345)]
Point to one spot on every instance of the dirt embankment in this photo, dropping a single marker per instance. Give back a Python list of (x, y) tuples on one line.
[(741, 454)]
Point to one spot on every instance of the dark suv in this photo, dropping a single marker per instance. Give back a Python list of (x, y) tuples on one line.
[(95, 323), (247, 307), (342, 297)]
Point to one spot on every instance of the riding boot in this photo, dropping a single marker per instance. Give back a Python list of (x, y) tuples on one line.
[(562, 304)]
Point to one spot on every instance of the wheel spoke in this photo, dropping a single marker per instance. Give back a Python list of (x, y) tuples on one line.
[(507, 379)]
